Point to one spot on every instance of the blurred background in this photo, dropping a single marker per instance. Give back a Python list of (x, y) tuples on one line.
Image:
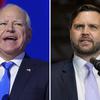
[(60, 14), (38, 11)]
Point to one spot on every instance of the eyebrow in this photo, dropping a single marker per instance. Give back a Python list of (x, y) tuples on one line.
[(78, 25), (87, 24)]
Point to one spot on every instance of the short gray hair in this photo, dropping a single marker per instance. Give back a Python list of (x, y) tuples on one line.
[(28, 21)]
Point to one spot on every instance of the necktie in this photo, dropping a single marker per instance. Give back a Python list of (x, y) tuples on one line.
[(91, 88), (5, 81)]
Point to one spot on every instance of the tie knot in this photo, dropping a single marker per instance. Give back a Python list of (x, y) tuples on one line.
[(7, 65), (89, 66)]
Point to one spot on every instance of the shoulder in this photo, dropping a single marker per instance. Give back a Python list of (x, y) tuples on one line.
[(60, 65), (58, 69), (34, 60), (35, 63), (39, 68)]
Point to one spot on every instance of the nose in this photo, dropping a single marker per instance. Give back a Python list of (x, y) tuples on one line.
[(10, 28), (85, 30)]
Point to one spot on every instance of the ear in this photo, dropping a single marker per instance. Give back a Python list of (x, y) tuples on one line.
[(29, 34)]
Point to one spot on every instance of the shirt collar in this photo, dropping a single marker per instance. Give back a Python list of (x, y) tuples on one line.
[(79, 66), (79, 62), (17, 60)]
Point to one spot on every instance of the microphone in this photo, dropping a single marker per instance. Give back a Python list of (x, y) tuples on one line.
[(96, 64)]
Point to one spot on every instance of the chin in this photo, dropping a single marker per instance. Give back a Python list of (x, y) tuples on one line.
[(11, 52)]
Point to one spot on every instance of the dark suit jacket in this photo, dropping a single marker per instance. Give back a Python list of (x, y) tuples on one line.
[(31, 82), (63, 81)]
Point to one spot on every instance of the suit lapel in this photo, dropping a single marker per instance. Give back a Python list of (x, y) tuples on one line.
[(22, 77), (68, 78)]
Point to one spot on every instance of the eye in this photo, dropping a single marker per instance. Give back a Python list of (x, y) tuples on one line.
[(93, 27), (78, 26), (3, 23), (18, 24)]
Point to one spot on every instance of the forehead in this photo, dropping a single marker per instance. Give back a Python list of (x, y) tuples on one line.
[(12, 12), (88, 16)]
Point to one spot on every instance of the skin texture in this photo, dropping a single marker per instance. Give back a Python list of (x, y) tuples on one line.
[(14, 32), (85, 34)]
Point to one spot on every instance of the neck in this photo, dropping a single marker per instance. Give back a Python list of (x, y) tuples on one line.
[(9, 56), (88, 57)]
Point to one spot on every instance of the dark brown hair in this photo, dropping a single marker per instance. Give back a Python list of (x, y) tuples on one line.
[(85, 7)]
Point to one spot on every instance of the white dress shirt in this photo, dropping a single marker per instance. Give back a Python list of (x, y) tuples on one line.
[(14, 69), (80, 74)]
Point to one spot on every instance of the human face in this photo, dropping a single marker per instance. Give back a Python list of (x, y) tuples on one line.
[(14, 32), (85, 33)]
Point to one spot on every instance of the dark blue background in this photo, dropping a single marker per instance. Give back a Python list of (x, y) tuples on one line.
[(38, 11)]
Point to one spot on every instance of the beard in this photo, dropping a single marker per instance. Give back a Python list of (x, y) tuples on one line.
[(90, 51)]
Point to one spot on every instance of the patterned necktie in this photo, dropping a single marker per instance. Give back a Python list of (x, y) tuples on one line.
[(5, 81), (91, 88)]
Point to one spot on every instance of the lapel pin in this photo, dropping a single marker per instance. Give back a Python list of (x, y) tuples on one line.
[(29, 70)]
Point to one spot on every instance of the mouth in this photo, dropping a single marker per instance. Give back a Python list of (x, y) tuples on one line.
[(11, 38), (85, 40)]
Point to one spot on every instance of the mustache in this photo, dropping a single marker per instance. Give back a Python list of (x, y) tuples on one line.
[(86, 38)]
